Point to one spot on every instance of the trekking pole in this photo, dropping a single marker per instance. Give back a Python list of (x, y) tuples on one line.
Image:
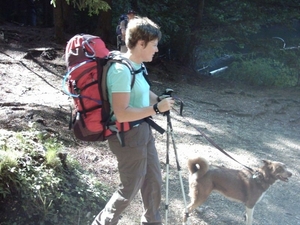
[(171, 133), (177, 161), (167, 176)]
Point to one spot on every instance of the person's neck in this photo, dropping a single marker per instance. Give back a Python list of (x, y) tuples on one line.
[(133, 57)]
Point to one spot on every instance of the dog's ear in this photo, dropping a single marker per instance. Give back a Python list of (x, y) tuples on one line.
[(266, 162)]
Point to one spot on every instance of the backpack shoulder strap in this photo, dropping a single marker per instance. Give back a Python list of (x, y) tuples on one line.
[(113, 57), (117, 57)]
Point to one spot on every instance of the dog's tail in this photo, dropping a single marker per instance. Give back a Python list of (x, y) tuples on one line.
[(199, 165)]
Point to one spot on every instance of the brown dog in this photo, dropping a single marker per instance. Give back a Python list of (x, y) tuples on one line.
[(244, 186)]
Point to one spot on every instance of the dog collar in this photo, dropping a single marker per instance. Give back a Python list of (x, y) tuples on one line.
[(257, 176)]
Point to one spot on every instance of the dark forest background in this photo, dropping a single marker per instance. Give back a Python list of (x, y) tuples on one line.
[(203, 35)]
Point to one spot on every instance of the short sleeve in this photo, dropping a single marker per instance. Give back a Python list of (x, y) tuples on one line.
[(118, 78)]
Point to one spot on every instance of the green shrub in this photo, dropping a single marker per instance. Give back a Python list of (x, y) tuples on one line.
[(39, 187), (263, 72)]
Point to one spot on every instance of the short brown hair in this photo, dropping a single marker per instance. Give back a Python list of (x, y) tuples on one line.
[(141, 28)]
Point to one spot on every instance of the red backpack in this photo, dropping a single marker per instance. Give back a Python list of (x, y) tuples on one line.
[(88, 60)]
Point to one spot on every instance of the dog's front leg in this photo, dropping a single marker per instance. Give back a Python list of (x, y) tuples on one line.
[(249, 216)]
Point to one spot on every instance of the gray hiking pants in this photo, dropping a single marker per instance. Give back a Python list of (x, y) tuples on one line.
[(139, 170)]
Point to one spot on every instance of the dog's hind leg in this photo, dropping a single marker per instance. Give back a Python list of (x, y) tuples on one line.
[(187, 214), (198, 196), (249, 215), (193, 205)]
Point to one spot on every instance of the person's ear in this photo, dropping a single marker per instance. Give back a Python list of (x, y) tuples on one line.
[(142, 43)]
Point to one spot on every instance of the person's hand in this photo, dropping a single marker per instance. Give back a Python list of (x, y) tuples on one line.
[(165, 104), (166, 94)]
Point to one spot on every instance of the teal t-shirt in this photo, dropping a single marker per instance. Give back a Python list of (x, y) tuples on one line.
[(119, 81)]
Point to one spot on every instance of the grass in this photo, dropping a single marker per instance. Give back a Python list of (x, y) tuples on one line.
[(41, 185)]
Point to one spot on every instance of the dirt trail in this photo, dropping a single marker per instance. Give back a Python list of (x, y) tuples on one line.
[(250, 123)]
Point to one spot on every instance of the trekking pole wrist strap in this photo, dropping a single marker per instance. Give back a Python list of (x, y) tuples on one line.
[(155, 108)]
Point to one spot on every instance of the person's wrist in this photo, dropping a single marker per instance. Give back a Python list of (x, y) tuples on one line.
[(155, 108)]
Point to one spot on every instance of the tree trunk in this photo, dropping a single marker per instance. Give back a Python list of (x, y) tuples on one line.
[(58, 22), (198, 21), (104, 26), (195, 38), (47, 18)]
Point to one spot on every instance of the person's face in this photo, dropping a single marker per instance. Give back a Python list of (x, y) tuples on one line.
[(150, 50), (130, 16)]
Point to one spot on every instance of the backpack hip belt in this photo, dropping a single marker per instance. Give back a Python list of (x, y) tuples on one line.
[(120, 128)]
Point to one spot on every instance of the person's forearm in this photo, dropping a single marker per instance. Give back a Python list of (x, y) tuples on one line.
[(133, 114), (153, 98), (124, 113)]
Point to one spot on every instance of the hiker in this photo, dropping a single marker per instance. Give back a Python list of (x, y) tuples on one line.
[(138, 163), (123, 25)]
